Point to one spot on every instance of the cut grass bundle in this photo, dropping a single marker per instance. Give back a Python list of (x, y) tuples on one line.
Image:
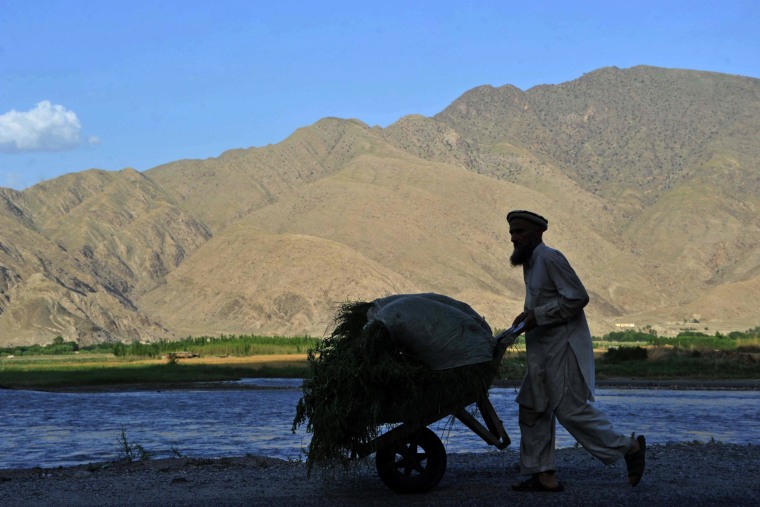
[(360, 382)]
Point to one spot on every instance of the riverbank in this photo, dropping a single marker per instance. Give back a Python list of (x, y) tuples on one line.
[(96, 372), (690, 474), (617, 383), (676, 384), (103, 370)]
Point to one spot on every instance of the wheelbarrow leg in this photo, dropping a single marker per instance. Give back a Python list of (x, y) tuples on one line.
[(493, 433)]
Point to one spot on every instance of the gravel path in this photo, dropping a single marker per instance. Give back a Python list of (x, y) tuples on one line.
[(692, 474)]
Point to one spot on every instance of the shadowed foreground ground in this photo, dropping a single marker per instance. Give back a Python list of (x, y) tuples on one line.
[(678, 474)]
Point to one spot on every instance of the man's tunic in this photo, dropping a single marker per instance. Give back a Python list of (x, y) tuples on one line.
[(557, 297)]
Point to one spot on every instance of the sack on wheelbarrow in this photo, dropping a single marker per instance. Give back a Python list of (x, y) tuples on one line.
[(440, 331), (375, 369)]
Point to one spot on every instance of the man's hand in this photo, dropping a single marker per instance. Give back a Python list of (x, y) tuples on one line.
[(529, 319)]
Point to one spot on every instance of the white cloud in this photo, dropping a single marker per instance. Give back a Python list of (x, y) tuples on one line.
[(47, 127)]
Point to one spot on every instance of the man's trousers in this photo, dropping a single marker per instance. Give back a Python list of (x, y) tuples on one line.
[(587, 424)]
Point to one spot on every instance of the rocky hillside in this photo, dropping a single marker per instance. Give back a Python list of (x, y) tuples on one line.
[(650, 179)]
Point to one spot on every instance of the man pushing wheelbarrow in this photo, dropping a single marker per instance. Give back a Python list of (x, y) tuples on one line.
[(411, 360)]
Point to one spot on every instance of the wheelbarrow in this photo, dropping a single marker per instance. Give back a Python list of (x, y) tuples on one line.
[(411, 458)]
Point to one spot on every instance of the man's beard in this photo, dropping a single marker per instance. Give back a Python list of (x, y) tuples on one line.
[(521, 255)]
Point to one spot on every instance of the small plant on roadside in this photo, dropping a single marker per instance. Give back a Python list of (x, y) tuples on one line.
[(130, 451), (172, 358)]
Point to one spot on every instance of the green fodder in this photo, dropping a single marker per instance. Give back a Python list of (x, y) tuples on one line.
[(360, 382)]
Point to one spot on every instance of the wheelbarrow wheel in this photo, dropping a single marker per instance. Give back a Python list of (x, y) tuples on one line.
[(414, 465)]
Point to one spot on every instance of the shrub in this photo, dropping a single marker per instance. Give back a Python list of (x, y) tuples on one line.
[(618, 354), (130, 451)]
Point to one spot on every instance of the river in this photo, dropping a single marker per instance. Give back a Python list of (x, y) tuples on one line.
[(50, 429)]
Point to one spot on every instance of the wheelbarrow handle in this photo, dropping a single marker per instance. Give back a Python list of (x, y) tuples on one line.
[(509, 336)]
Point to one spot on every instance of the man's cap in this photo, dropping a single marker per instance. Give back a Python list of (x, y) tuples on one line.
[(529, 216)]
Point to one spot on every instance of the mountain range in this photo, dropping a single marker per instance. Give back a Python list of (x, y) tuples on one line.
[(649, 177)]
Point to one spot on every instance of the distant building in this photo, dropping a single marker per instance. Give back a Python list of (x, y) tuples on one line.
[(625, 326)]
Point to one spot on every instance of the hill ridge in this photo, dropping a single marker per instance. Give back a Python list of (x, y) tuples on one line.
[(650, 178)]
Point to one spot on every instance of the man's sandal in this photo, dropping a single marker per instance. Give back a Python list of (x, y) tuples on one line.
[(534, 484), (636, 461)]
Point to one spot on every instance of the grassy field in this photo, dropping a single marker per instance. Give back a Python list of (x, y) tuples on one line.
[(65, 364), (104, 370), (661, 364), (233, 358)]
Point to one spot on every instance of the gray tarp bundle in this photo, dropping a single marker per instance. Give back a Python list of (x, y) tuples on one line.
[(438, 330)]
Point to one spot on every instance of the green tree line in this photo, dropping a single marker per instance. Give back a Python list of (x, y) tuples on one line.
[(749, 339), (246, 345), (58, 347), (224, 345)]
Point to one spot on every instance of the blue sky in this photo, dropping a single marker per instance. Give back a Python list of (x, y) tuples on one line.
[(111, 84)]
